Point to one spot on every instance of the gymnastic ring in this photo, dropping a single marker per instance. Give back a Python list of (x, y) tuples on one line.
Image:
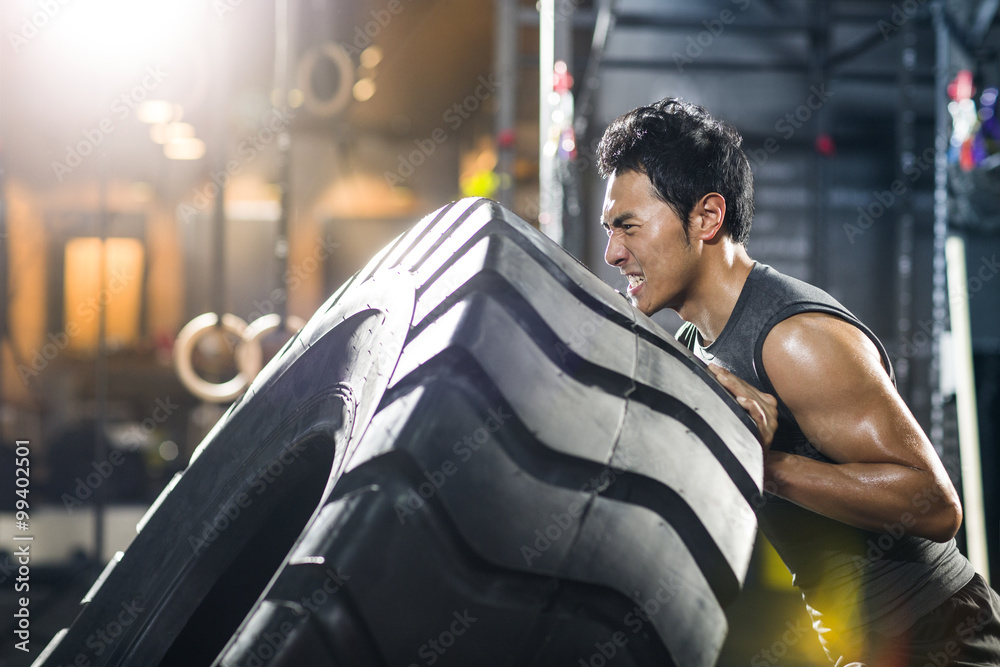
[(250, 354), (187, 339), (336, 103)]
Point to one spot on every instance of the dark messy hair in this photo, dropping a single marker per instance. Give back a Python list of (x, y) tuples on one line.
[(686, 153)]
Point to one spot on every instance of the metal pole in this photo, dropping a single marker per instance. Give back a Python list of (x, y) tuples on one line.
[(906, 139), (819, 36), (281, 51), (548, 215), (505, 63), (939, 296), (101, 362), (555, 44), (968, 419), (219, 205), (4, 279)]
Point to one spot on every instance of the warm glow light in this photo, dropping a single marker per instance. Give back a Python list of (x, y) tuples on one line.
[(364, 89), (121, 294), (155, 111), (176, 131), (158, 133), (168, 450), (189, 148), (114, 33), (371, 57), (142, 191), (166, 133), (295, 98)]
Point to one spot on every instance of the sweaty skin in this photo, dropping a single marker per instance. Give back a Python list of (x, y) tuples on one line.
[(826, 371)]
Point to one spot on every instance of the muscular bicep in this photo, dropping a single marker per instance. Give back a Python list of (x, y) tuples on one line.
[(830, 375)]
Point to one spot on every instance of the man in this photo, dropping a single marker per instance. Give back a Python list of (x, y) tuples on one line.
[(846, 464)]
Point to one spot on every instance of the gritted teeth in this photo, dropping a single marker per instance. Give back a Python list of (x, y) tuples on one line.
[(635, 281)]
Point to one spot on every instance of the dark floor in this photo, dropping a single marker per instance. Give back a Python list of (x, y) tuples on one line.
[(55, 596)]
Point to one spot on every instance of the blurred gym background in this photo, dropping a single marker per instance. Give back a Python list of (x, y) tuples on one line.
[(167, 164)]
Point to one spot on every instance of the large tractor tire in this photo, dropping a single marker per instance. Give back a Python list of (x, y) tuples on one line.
[(475, 453)]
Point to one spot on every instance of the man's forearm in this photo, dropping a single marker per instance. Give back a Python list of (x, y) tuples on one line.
[(872, 496)]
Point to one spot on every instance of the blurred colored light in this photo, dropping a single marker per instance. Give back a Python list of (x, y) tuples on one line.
[(168, 450), (155, 111), (364, 89), (371, 57), (82, 286), (164, 133), (189, 148)]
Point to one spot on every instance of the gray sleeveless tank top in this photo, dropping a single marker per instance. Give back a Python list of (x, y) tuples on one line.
[(852, 580)]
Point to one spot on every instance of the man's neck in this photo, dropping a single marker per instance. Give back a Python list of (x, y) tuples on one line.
[(714, 294)]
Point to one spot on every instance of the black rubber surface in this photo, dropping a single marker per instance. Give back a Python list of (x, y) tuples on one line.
[(504, 464)]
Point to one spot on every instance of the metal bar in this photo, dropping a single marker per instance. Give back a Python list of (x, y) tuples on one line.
[(938, 291), (882, 78), (584, 19), (984, 20), (820, 42), (848, 53), (101, 360), (546, 65), (661, 21), (905, 223), (218, 269), (281, 245), (591, 78), (5, 296), (730, 65), (505, 63), (554, 43), (962, 37), (968, 419)]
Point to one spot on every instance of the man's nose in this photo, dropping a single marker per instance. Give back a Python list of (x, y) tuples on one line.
[(615, 254)]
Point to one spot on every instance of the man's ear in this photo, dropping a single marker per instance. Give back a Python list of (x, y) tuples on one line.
[(707, 216)]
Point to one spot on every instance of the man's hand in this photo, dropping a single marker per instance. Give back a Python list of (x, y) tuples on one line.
[(762, 408)]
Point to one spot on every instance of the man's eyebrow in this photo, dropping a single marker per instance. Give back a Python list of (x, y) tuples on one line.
[(618, 221)]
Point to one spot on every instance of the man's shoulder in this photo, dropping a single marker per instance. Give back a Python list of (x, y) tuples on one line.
[(769, 279)]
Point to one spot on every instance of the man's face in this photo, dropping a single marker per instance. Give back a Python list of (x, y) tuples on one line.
[(647, 242)]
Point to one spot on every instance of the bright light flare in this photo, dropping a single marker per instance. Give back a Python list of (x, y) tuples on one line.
[(115, 33), (188, 148), (155, 111), (371, 57), (164, 133), (363, 89)]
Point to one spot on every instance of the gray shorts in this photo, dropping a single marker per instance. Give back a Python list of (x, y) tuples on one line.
[(964, 631)]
